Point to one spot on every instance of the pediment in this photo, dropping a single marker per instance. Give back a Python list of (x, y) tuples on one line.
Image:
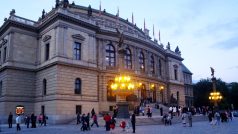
[(46, 38), (79, 37)]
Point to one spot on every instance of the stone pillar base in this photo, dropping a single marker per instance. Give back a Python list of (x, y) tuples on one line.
[(123, 110)]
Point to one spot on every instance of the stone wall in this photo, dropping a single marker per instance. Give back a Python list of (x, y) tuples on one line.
[(18, 89)]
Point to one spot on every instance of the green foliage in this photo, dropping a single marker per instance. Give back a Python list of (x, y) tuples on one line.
[(203, 88)]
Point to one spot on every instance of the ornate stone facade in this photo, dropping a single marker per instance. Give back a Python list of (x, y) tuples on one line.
[(62, 63)]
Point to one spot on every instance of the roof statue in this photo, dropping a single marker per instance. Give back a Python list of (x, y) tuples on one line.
[(121, 48), (212, 72), (57, 3), (177, 50), (90, 11), (12, 12), (168, 46), (121, 37), (43, 14), (73, 3), (65, 3)]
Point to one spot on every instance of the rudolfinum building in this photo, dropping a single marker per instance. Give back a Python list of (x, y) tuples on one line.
[(65, 62)]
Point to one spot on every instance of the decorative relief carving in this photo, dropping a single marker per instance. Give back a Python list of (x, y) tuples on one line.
[(46, 38), (78, 36), (3, 42)]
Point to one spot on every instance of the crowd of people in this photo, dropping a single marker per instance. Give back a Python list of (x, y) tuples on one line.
[(110, 121), (28, 119), (88, 120)]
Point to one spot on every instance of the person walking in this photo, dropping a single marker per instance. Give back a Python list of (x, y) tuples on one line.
[(95, 120), (184, 116), (84, 124), (44, 119), (78, 118), (107, 119), (218, 118), (40, 119), (190, 119), (28, 121), (92, 112), (161, 111), (10, 120), (33, 120), (133, 122), (18, 122), (87, 121)]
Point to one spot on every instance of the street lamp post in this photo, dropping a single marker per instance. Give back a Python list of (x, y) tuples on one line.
[(214, 96), (161, 88), (122, 87)]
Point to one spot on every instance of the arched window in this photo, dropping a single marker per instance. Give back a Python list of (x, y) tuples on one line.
[(152, 64), (128, 59), (44, 86), (110, 55), (77, 89), (142, 61)]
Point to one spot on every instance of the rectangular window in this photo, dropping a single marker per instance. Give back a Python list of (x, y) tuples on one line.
[(78, 109), (175, 74), (0, 88), (77, 51), (4, 54), (47, 51)]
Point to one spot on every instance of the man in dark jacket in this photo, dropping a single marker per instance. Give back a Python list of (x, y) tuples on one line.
[(133, 122), (10, 120)]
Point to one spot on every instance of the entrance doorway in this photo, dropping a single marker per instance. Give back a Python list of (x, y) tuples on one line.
[(43, 109)]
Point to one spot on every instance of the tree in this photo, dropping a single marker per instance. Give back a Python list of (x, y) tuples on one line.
[(201, 92), (203, 88)]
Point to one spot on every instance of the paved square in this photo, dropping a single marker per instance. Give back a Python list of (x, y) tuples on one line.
[(198, 128)]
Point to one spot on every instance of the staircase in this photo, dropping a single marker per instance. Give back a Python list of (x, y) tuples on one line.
[(155, 120)]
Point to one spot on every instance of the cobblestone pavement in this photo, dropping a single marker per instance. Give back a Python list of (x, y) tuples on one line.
[(198, 128)]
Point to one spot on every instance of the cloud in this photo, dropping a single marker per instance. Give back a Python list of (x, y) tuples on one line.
[(228, 44)]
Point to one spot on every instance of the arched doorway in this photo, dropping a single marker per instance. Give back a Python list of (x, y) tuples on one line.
[(143, 92), (110, 95), (154, 95)]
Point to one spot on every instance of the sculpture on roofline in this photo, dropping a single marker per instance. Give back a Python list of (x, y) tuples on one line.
[(212, 72), (121, 47), (12, 12)]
